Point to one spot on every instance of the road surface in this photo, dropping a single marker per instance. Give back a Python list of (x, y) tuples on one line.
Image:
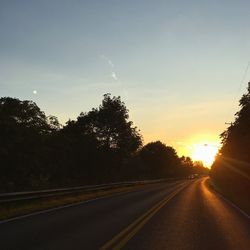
[(178, 215)]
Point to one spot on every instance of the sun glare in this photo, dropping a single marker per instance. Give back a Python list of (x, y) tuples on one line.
[(205, 153)]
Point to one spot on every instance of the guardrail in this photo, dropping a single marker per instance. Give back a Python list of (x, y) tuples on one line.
[(22, 196)]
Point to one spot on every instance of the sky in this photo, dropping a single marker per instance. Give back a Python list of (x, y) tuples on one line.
[(178, 65)]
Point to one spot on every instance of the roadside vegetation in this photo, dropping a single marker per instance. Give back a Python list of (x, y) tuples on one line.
[(22, 207), (100, 146), (231, 170)]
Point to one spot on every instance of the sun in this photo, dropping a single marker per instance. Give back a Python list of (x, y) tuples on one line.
[(205, 153)]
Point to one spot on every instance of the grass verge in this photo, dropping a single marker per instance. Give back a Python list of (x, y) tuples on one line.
[(18, 208)]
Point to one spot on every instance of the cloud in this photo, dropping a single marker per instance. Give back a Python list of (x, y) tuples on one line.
[(111, 64), (113, 75), (108, 61)]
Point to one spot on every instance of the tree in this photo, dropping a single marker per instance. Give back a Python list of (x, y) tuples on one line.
[(23, 127), (231, 169), (95, 146), (110, 126), (160, 161), (187, 166), (236, 139), (25, 115), (74, 156), (199, 168)]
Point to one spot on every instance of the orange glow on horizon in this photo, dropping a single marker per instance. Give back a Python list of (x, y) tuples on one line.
[(205, 153), (200, 147)]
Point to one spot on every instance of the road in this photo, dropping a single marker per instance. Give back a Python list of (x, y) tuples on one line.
[(177, 215)]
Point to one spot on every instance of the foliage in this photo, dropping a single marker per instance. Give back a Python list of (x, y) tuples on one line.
[(236, 139), (159, 160), (23, 127), (101, 145), (110, 126), (231, 169)]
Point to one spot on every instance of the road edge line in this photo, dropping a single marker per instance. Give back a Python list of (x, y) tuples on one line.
[(228, 201)]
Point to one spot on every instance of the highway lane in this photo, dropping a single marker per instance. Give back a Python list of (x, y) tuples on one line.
[(177, 215), (196, 218), (84, 226)]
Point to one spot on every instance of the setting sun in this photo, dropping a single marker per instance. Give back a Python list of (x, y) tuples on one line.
[(205, 153)]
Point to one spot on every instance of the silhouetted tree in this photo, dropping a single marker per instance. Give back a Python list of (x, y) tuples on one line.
[(236, 139), (199, 168), (231, 169), (110, 126), (114, 135), (101, 145), (22, 129), (186, 167), (92, 149), (72, 157), (160, 161)]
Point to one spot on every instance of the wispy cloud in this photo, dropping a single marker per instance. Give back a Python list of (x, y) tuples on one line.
[(108, 61), (111, 64), (113, 75)]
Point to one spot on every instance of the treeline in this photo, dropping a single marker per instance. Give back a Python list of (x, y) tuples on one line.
[(100, 146), (231, 169)]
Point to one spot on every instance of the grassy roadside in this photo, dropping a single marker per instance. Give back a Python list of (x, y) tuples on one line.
[(238, 200), (14, 209)]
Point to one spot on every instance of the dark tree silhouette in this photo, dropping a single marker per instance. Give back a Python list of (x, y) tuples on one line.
[(198, 168), (231, 169), (160, 161), (187, 166), (236, 139), (16, 114), (22, 129), (110, 126), (113, 135), (100, 146)]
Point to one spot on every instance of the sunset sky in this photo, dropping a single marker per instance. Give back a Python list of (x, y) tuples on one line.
[(178, 65)]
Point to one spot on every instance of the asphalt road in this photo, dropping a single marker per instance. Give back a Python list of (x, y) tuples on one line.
[(178, 215)]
